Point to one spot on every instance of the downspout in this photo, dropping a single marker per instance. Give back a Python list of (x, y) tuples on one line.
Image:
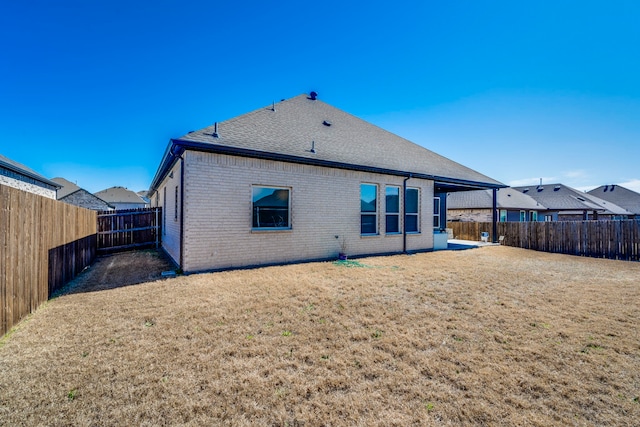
[(181, 212), (495, 216), (181, 208), (404, 213)]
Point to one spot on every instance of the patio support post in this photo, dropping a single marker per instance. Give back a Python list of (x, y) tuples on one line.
[(495, 216)]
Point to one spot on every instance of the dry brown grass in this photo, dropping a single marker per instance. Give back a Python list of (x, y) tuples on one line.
[(491, 336)]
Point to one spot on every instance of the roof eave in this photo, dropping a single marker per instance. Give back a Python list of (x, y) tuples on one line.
[(30, 175), (177, 146)]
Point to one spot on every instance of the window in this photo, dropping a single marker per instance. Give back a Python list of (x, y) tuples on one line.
[(411, 214), (523, 216), (392, 199), (533, 216), (436, 212), (271, 207), (368, 209), (503, 215), (175, 213), (548, 218)]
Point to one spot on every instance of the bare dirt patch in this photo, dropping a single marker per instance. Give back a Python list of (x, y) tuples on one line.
[(490, 336), (121, 269)]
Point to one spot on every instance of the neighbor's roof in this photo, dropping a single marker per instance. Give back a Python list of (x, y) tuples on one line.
[(621, 196), (67, 187), (7, 163), (303, 130), (560, 197), (508, 198), (119, 195)]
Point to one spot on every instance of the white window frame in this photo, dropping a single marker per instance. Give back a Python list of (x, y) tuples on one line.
[(523, 216), (288, 225), (436, 212), (533, 216)]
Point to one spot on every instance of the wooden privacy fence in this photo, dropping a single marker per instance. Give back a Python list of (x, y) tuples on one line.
[(43, 244), (598, 239), (129, 229)]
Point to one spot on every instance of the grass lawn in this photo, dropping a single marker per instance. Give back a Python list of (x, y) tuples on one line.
[(490, 336)]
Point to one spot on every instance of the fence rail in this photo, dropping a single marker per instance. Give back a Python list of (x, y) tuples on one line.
[(598, 239), (43, 244), (129, 229)]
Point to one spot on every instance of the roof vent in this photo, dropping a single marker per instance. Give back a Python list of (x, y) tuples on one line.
[(326, 123), (613, 187), (313, 147), (540, 188), (525, 190), (215, 131), (313, 95), (581, 199), (605, 188), (556, 188)]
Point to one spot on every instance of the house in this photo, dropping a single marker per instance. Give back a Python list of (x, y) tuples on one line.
[(477, 206), (144, 195), (16, 175), (623, 197), (72, 194), (568, 204), (122, 198), (293, 181)]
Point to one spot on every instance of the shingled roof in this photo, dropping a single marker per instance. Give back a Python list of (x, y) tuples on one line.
[(119, 195), (562, 198), (508, 198), (13, 166), (66, 187), (621, 196), (304, 130)]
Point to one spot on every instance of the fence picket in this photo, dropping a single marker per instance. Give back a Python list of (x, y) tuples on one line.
[(39, 243), (599, 239), (128, 229)]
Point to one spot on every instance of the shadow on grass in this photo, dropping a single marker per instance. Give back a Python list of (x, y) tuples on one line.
[(118, 270)]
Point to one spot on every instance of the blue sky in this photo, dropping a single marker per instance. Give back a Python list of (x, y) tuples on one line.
[(521, 91)]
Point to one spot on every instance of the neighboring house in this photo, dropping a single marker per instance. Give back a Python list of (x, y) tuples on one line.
[(122, 198), (144, 195), (623, 197), (16, 175), (294, 181), (477, 206), (568, 204), (72, 194)]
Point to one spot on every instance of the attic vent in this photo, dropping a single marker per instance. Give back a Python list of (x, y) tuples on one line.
[(613, 187), (540, 188), (326, 123), (581, 199), (526, 190), (313, 95), (605, 188), (556, 188)]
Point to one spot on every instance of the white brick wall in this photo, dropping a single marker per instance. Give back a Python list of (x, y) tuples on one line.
[(325, 202), (170, 232), (25, 186)]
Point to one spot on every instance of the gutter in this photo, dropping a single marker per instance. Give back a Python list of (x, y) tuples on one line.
[(404, 213), (169, 159)]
